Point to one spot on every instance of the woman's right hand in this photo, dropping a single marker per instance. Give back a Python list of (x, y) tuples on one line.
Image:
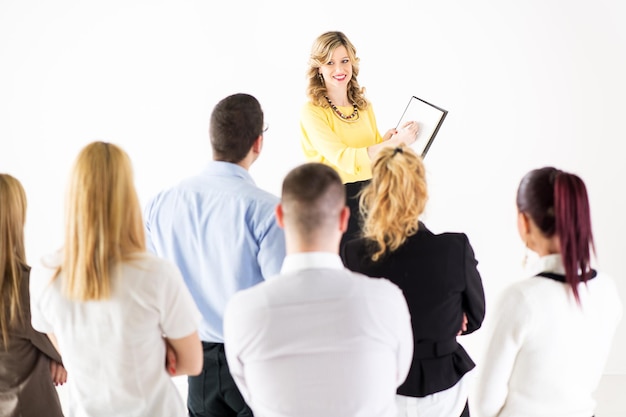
[(407, 134)]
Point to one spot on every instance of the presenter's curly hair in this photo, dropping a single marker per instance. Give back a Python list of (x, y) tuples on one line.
[(393, 201), (321, 51)]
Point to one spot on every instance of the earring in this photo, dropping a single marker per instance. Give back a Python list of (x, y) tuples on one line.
[(321, 78), (525, 258)]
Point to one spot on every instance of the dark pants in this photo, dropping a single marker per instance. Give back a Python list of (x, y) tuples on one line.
[(352, 201), (213, 393)]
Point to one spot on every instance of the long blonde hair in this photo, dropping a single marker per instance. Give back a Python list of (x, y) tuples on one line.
[(12, 253), (393, 201), (103, 221), (321, 51)]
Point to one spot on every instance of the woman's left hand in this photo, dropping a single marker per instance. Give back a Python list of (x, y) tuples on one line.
[(389, 134), (463, 325), (170, 359), (58, 373)]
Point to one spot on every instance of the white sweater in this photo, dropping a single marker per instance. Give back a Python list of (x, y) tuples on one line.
[(547, 353)]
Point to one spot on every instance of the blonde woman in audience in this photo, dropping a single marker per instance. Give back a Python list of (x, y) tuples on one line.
[(438, 275), (30, 366), (553, 330), (110, 306)]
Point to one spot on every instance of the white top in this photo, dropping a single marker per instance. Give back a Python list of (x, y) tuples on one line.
[(319, 340), (547, 354), (113, 350)]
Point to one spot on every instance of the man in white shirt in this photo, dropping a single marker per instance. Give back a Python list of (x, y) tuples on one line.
[(318, 339)]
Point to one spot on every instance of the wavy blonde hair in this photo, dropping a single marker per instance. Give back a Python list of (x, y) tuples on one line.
[(103, 221), (12, 253), (321, 52), (393, 201)]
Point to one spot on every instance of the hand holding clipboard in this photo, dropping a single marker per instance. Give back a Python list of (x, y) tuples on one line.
[(429, 118), (407, 132)]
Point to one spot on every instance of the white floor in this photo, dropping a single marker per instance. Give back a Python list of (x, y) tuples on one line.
[(611, 395)]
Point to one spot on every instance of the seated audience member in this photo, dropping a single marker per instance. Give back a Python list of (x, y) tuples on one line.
[(318, 340), (552, 331), (437, 273), (111, 307), (30, 366)]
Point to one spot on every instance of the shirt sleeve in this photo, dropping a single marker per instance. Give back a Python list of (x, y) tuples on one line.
[(235, 330), (323, 140), (147, 215), (179, 315), (271, 248), (44, 345), (39, 280), (405, 349), (512, 320), (392, 315), (38, 339)]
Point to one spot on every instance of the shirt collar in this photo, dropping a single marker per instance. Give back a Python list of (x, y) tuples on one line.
[(549, 263), (307, 260), (227, 169)]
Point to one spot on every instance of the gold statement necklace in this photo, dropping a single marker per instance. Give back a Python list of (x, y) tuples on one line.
[(346, 118)]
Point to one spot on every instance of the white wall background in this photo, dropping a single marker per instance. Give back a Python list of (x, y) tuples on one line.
[(527, 84)]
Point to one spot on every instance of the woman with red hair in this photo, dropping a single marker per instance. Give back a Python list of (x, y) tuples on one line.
[(553, 331)]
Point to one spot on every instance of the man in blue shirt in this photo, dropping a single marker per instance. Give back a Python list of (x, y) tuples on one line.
[(220, 230)]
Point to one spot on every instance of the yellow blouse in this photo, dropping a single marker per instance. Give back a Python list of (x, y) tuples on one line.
[(339, 144)]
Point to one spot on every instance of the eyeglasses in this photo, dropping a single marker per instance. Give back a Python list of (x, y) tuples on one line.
[(265, 127)]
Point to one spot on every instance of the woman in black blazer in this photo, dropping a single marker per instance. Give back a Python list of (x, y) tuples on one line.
[(437, 274)]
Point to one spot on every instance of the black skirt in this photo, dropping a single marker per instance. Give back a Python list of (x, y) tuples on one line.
[(352, 201)]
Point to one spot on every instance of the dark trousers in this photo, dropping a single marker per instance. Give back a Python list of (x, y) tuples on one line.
[(352, 201), (213, 393)]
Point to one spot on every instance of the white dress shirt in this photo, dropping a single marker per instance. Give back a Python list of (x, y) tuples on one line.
[(220, 230), (319, 340)]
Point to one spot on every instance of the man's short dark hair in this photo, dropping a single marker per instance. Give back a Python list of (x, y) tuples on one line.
[(312, 195), (236, 122)]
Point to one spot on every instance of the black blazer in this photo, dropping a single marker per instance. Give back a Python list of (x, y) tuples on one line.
[(440, 281)]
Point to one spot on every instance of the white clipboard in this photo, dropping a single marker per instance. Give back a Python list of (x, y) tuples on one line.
[(429, 117)]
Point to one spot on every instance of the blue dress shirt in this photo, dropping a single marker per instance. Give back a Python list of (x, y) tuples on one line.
[(220, 229)]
